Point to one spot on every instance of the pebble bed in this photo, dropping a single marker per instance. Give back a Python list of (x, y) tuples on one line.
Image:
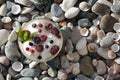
[(91, 39)]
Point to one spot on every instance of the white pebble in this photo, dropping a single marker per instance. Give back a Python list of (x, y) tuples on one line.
[(72, 12), (81, 46), (8, 77), (5, 33), (33, 64), (3, 10), (51, 72), (117, 60), (76, 68), (13, 36), (17, 66), (6, 19), (16, 9), (67, 4), (84, 6)]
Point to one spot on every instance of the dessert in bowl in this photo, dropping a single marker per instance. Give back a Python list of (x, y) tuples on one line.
[(40, 40)]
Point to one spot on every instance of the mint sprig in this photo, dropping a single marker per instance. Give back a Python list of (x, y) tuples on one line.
[(25, 35)]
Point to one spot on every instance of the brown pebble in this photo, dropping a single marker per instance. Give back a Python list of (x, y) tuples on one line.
[(100, 9), (2, 1), (63, 23), (107, 23), (111, 54), (58, 1)]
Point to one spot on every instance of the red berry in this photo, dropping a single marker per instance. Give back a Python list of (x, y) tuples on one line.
[(32, 51), (43, 37), (39, 30), (39, 48), (54, 31), (58, 36), (54, 50), (40, 25), (27, 48), (48, 26)]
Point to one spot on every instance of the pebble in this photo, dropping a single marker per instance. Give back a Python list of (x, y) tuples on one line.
[(101, 68), (75, 68), (116, 27), (111, 54), (17, 66), (69, 46), (70, 4), (81, 46), (84, 22), (9, 4), (2, 1), (75, 35), (8, 77), (115, 8), (66, 33), (82, 77), (58, 1), (43, 66), (3, 10), (13, 36), (73, 56), (23, 2), (1, 76), (115, 47), (26, 10), (51, 72), (64, 62), (28, 72), (16, 9), (100, 8), (33, 64), (3, 39), (94, 62), (11, 71), (72, 12), (62, 75), (7, 23), (106, 42), (107, 23), (92, 47), (58, 19), (86, 66), (6, 19), (103, 52), (99, 78), (23, 18), (47, 78), (84, 6), (116, 68), (84, 31), (16, 26), (25, 78), (100, 35), (117, 60), (11, 51), (56, 10), (4, 60), (54, 63)]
